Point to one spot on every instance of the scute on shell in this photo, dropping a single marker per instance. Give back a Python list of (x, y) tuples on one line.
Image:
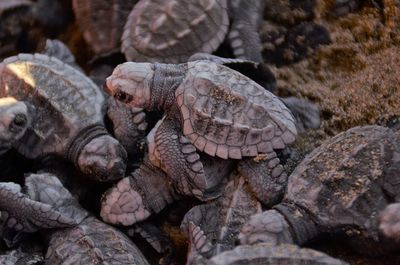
[(228, 115)]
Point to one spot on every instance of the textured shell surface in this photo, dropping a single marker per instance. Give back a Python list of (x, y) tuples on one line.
[(7, 5), (171, 31), (351, 176), (102, 22), (92, 242), (228, 115), (65, 99), (269, 254)]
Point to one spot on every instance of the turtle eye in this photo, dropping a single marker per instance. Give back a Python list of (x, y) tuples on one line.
[(123, 97), (18, 122)]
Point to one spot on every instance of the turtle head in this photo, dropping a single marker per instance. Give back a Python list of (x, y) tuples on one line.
[(103, 159), (14, 121), (131, 84)]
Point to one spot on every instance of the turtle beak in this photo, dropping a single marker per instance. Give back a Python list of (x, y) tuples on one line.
[(107, 89)]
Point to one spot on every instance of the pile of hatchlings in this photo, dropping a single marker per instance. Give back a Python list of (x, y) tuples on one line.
[(154, 149)]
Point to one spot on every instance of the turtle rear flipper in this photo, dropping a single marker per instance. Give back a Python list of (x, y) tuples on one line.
[(24, 214), (246, 17), (306, 113), (199, 247), (48, 189), (179, 159), (266, 177)]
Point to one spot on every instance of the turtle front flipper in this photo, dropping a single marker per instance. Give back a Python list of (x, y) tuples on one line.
[(284, 224), (266, 177), (199, 247), (146, 191), (129, 124), (179, 159), (246, 17), (343, 7), (306, 114), (24, 214), (389, 222)]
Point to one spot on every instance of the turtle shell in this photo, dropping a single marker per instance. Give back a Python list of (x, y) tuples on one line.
[(102, 22), (228, 115), (7, 5), (66, 101), (171, 31), (349, 178)]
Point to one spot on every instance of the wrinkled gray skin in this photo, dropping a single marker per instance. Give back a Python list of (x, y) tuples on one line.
[(87, 241), (347, 185), (15, 118)]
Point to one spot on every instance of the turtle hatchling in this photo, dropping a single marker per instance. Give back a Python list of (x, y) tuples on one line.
[(102, 22), (170, 31), (220, 112), (14, 121), (347, 185), (87, 240), (68, 117)]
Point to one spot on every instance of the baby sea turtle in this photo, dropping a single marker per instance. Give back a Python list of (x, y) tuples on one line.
[(128, 123), (340, 187), (220, 112), (214, 227), (14, 121), (68, 120), (171, 31), (268, 254), (102, 22), (88, 241)]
